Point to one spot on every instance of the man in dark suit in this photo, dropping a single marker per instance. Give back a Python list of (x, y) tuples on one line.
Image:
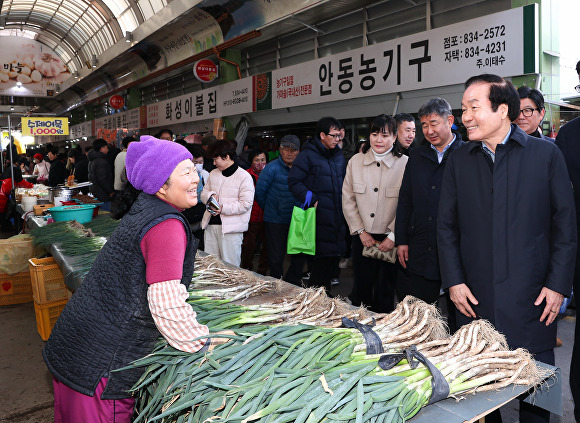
[(506, 229), (568, 141)]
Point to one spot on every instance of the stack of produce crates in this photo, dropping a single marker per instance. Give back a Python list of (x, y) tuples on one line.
[(49, 292)]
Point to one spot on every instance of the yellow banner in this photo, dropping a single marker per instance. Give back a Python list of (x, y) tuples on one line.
[(44, 126)]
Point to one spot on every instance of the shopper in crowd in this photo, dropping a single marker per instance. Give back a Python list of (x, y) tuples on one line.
[(120, 173), (41, 168), (532, 112), (100, 173), (274, 196), (256, 233), (506, 229), (57, 172), (251, 144), (231, 191), (7, 212), (194, 215), (135, 291), (369, 203), (416, 226), (206, 142), (320, 169), (79, 164), (405, 131), (24, 165), (165, 134), (567, 141)]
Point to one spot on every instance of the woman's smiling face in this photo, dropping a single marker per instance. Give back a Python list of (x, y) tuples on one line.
[(181, 187)]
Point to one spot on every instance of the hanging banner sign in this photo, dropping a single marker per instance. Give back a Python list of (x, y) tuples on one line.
[(205, 70), (116, 101), (44, 126), (444, 56)]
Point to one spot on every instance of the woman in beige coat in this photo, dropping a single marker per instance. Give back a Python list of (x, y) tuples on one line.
[(369, 202)]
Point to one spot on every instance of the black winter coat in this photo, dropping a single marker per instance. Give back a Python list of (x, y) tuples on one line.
[(507, 230), (322, 171), (416, 224), (57, 173), (101, 175), (82, 169)]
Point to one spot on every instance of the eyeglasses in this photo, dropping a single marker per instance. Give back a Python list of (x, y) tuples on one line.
[(335, 136), (528, 111), (577, 87)]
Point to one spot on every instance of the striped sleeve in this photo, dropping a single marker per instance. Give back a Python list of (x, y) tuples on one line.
[(174, 317)]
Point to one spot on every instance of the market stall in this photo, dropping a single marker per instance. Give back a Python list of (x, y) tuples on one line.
[(228, 297)]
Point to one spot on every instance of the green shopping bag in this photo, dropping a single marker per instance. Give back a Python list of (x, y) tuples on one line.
[(302, 232)]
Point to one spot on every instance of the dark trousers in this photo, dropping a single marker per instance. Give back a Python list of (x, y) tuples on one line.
[(575, 363), (255, 230), (374, 280), (322, 270), (425, 289), (276, 240), (528, 412)]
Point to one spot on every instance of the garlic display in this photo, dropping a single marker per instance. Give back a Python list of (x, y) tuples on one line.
[(25, 79), (36, 76), (48, 65)]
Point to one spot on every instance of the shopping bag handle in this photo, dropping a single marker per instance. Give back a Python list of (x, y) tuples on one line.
[(307, 200)]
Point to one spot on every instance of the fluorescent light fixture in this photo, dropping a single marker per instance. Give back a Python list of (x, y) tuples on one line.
[(95, 61), (12, 108), (76, 75), (2, 22), (128, 36)]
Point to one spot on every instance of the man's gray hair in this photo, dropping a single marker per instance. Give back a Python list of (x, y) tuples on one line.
[(437, 106)]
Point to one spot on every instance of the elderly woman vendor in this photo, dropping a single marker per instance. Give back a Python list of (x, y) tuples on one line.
[(135, 291)]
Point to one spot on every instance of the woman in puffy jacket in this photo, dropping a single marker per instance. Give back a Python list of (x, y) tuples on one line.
[(231, 190)]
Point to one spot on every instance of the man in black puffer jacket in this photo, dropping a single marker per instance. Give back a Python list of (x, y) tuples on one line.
[(320, 168), (100, 173)]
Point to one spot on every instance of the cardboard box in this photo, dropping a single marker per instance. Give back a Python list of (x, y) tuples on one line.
[(40, 208)]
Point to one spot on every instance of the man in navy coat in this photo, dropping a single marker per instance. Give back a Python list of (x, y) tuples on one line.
[(506, 229), (568, 140)]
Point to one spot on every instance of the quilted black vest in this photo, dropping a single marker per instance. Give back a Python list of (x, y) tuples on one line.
[(107, 323)]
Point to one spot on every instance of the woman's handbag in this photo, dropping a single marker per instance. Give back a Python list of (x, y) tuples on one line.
[(374, 252), (302, 232)]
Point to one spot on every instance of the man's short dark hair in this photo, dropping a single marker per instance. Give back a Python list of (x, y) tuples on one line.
[(196, 150), (127, 140), (162, 131), (536, 96), (99, 143), (403, 117), (74, 153), (222, 148), (578, 67), (325, 124), (52, 150), (209, 140), (436, 106), (500, 92)]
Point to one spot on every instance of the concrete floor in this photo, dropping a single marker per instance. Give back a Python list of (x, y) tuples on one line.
[(26, 385)]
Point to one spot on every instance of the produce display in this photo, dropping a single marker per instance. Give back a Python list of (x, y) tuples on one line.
[(291, 358), (290, 361)]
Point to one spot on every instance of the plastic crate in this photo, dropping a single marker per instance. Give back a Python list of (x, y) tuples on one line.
[(15, 289), (47, 315), (47, 280)]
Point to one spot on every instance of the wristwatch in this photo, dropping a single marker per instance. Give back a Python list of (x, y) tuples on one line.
[(360, 231)]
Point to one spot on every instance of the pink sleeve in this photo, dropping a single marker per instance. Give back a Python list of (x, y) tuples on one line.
[(163, 248)]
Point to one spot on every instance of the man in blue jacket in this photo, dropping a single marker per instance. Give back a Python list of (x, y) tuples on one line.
[(274, 197), (320, 168), (416, 224), (506, 229)]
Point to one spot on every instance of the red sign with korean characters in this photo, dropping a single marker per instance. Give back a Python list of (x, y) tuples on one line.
[(117, 102), (205, 70)]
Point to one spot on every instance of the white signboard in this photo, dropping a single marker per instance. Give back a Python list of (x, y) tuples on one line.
[(224, 100), (443, 56), (84, 129)]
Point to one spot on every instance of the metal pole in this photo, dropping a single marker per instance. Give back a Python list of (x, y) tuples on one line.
[(11, 143)]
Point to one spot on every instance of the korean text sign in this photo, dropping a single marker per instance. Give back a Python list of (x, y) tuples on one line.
[(44, 126)]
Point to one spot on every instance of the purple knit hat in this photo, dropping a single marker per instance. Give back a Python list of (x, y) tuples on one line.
[(151, 161)]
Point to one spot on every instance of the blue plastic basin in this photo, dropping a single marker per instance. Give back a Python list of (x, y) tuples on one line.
[(83, 213)]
